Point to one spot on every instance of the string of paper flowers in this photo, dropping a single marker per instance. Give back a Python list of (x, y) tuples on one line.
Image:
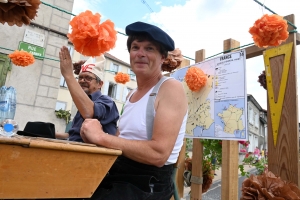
[(89, 37), (119, 77), (21, 58), (18, 12), (173, 61), (269, 30)]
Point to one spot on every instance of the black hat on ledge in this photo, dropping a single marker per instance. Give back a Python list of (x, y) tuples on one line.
[(154, 32), (38, 129)]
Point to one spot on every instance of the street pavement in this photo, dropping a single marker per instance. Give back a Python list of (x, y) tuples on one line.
[(214, 192)]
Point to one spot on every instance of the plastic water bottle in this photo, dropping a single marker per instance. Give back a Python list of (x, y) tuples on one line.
[(4, 103), (11, 94), (7, 103), (10, 127)]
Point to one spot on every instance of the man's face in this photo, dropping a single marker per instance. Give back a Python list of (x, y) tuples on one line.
[(88, 82), (145, 58)]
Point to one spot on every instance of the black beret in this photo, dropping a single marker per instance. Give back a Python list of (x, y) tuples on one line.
[(154, 32)]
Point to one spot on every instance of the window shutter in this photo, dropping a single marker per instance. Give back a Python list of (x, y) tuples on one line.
[(118, 96), (111, 68), (105, 88), (5, 66), (125, 93)]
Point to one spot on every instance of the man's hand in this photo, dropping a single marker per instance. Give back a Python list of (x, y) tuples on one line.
[(91, 131), (66, 65)]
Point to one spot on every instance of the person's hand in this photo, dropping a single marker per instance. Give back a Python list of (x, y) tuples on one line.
[(66, 65), (91, 131)]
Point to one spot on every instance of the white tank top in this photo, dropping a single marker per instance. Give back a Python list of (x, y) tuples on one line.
[(132, 125)]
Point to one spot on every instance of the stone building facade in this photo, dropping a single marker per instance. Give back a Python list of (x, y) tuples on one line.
[(37, 85)]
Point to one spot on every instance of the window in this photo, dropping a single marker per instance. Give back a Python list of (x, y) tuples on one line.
[(60, 105), (132, 75), (256, 119), (251, 121), (62, 82), (114, 68), (126, 91), (112, 90)]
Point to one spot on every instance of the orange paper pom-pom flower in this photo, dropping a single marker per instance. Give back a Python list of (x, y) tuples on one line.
[(122, 78), (21, 58), (270, 30), (195, 78), (89, 37)]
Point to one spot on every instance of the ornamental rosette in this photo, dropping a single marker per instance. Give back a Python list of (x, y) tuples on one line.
[(270, 30), (21, 58)]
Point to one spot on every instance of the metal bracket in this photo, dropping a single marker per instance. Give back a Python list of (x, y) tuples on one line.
[(196, 180)]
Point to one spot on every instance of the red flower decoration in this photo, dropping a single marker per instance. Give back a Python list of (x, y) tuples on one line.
[(270, 30), (122, 78), (195, 78), (21, 58), (89, 37), (244, 143)]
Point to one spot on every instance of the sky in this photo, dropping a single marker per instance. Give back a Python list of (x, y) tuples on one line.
[(195, 25)]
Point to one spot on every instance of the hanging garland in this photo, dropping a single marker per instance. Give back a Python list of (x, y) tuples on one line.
[(90, 38), (16, 12), (173, 61), (21, 58), (269, 30), (122, 78)]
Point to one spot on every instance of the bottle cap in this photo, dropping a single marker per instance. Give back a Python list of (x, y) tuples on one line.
[(8, 127)]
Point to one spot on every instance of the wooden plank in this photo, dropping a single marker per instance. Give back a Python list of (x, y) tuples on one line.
[(230, 154), (180, 170), (281, 159), (196, 190), (181, 158), (33, 173)]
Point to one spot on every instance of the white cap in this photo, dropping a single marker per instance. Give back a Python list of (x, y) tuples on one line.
[(95, 68)]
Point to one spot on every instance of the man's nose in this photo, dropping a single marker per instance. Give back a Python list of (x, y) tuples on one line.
[(141, 52)]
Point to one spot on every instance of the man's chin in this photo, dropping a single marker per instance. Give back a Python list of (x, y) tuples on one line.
[(85, 90)]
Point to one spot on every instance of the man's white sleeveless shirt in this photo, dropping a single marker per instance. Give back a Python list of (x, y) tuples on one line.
[(132, 125)]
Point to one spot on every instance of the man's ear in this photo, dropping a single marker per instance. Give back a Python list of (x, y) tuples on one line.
[(100, 85)]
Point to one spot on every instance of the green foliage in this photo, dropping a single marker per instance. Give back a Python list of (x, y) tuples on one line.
[(212, 151), (260, 165), (63, 114)]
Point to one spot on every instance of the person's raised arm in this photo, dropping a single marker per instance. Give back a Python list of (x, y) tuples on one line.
[(83, 103), (171, 107)]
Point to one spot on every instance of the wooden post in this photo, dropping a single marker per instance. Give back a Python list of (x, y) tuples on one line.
[(230, 156), (181, 158), (196, 189), (282, 158)]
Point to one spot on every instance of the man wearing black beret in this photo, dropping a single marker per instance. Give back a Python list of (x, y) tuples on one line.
[(152, 126)]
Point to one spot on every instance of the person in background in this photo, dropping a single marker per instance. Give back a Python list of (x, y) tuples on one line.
[(256, 154), (266, 154), (144, 171), (87, 96), (262, 153)]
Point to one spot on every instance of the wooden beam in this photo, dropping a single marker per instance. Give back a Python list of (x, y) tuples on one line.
[(282, 158), (196, 189), (254, 51), (230, 154)]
